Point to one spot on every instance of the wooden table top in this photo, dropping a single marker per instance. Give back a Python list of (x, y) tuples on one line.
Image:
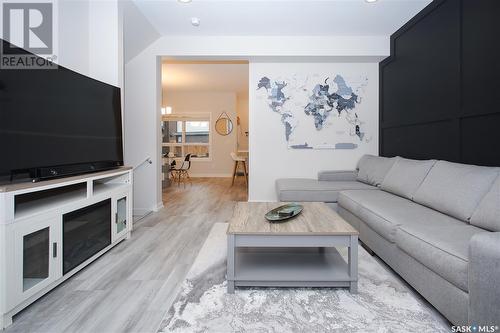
[(316, 219)]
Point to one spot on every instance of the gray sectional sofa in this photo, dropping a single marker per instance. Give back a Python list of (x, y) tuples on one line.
[(436, 223)]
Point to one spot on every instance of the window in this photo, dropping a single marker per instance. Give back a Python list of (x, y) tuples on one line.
[(186, 135)]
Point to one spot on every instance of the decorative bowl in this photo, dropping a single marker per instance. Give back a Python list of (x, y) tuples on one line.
[(284, 213)]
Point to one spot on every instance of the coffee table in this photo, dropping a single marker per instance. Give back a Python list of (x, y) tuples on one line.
[(298, 253)]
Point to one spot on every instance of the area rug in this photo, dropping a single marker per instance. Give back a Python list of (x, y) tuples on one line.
[(383, 304)]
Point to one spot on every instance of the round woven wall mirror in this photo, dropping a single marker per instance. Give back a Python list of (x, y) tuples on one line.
[(224, 125)]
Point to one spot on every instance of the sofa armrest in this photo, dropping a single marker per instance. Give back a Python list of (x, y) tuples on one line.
[(338, 175), (484, 279)]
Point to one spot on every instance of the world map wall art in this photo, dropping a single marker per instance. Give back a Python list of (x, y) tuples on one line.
[(317, 112)]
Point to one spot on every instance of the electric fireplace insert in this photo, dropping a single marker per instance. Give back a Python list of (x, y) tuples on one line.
[(85, 232)]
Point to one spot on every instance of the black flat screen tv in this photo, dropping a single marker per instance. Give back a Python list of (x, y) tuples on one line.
[(57, 122)]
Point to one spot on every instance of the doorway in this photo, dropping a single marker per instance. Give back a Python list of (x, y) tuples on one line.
[(204, 121)]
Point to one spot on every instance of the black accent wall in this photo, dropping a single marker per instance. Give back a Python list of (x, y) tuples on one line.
[(440, 88)]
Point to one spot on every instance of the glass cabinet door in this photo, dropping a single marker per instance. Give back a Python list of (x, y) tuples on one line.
[(36, 256), (121, 215)]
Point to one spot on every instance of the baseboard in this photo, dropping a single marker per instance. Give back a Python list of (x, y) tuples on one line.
[(210, 175), (144, 211), (258, 200), (141, 211), (158, 206)]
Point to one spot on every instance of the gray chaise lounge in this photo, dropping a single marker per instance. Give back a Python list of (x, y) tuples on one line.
[(436, 223)]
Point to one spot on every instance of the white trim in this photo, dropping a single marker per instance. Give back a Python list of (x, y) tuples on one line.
[(185, 117), (159, 134), (164, 144), (210, 175), (202, 159), (252, 200), (140, 212), (159, 205)]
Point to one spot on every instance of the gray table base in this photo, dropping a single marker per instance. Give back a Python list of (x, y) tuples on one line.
[(291, 261)]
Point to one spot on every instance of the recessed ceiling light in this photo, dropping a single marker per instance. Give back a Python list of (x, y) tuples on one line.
[(184, 1), (195, 21), (371, 1)]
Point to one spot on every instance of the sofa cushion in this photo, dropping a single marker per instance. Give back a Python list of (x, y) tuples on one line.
[(338, 175), (487, 214), (373, 169), (440, 245), (455, 189), (384, 212), (406, 176), (312, 190)]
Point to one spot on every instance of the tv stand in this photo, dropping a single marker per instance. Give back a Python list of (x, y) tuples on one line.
[(36, 217)]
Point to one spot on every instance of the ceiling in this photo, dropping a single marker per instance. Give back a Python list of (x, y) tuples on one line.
[(279, 17), (205, 76)]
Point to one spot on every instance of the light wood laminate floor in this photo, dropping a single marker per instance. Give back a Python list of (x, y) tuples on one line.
[(130, 288)]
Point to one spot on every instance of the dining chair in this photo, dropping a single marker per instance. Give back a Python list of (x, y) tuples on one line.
[(182, 173)]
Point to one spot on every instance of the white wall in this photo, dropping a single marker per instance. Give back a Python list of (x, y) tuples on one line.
[(270, 157), (106, 46), (242, 113), (73, 35), (142, 131), (220, 164), (90, 40), (143, 89)]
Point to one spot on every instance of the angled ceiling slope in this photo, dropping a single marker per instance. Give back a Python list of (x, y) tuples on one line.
[(138, 32)]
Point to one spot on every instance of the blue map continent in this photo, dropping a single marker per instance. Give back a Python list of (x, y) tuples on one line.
[(322, 101), (277, 99)]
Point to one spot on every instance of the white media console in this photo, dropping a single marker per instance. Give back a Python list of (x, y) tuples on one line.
[(52, 229)]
